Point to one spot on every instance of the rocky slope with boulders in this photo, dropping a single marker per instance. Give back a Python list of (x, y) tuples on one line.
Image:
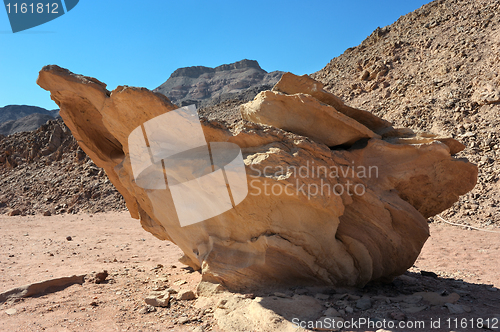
[(45, 172), (437, 69)]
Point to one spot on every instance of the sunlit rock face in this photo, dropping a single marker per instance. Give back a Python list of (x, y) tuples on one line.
[(302, 190)]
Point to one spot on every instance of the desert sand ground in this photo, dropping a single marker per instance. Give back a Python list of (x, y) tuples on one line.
[(36, 248)]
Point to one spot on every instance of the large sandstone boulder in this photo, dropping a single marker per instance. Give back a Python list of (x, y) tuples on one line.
[(305, 115), (292, 84), (319, 210)]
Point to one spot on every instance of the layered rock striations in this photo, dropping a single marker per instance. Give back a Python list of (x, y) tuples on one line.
[(336, 195)]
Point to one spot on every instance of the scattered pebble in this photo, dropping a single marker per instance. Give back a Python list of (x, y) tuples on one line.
[(172, 290), (183, 320), (221, 304), (322, 297), (412, 299), (331, 312), (158, 299), (14, 212), (364, 303), (11, 312), (301, 291), (414, 309), (428, 274), (147, 309), (180, 282), (397, 316), (455, 308), (186, 295)]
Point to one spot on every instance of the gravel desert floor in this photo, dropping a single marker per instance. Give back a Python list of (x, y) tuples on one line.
[(37, 248)]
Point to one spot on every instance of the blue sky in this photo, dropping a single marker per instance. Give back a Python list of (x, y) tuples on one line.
[(140, 43)]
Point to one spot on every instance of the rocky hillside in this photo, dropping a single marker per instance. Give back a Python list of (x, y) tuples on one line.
[(44, 171), (206, 86), (435, 69)]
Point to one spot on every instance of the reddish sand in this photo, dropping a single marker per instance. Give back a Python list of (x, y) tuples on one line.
[(455, 252), (35, 248)]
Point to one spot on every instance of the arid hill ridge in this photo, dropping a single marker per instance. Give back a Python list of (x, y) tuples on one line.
[(435, 69), (197, 71), (15, 112), (27, 123), (18, 118)]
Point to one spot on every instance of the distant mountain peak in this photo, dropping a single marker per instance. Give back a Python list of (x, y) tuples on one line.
[(15, 118), (245, 63), (197, 71), (197, 84)]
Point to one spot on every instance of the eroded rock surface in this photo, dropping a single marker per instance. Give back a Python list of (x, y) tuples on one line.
[(315, 213), (305, 115)]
